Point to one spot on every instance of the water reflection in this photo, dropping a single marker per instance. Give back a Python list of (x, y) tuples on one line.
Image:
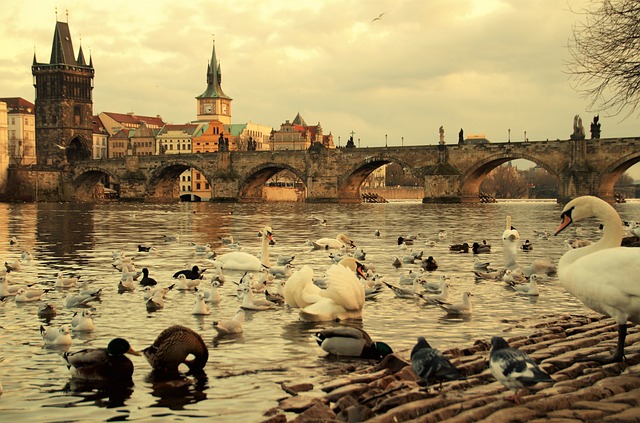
[(244, 370)]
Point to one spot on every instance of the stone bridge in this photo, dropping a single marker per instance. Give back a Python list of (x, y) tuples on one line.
[(451, 173)]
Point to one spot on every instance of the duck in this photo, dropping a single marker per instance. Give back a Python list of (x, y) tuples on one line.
[(82, 322), (193, 273), (343, 298), (405, 241), (172, 347), (478, 248), (513, 368), (144, 248), (240, 260), (459, 309), (200, 307), (530, 288), (604, 276), (429, 264), (340, 241), (60, 336), (232, 326), (146, 280), (25, 295), (461, 248), (47, 311), (347, 341), (102, 364), (430, 365), (66, 282), (527, 245)]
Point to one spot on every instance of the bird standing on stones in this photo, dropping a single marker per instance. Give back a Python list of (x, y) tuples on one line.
[(430, 365), (514, 368)]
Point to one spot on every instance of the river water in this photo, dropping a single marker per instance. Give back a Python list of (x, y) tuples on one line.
[(244, 372)]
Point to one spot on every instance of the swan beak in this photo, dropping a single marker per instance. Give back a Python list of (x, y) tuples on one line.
[(133, 352), (566, 221), (271, 240)]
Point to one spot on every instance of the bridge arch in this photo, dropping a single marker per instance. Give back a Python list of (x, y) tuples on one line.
[(350, 183), (250, 187), (89, 182), (163, 183), (473, 177), (608, 177)]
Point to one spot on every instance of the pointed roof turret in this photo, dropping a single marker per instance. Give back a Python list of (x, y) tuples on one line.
[(298, 120), (81, 60), (214, 77), (62, 48)]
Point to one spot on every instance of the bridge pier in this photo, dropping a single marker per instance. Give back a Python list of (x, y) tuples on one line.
[(442, 189)]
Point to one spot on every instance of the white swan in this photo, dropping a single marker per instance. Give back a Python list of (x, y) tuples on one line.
[(510, 239), (604, 276), (343, 299), (300, 291), (239, 260), (340, 241)]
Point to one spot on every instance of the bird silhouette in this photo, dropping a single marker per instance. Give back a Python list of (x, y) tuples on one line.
[(378, 18)]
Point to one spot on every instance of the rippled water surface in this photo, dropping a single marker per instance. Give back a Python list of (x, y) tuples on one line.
[(243, 372)]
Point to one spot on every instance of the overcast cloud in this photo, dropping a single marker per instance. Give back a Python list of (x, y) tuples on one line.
[(486, 66)]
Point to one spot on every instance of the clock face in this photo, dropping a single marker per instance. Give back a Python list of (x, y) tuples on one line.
[(207, 108), (224, 108)]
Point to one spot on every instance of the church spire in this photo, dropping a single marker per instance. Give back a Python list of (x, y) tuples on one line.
[(214, 89)]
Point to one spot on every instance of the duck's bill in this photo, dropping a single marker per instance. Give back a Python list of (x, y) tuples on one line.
[(133, 352)]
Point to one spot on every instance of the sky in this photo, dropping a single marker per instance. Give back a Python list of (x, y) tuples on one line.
[(491, 67)]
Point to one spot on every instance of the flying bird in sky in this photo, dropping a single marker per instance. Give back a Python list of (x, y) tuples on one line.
[(378, 18)]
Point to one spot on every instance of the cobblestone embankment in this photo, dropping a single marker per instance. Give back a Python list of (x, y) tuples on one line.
[(583, 391)]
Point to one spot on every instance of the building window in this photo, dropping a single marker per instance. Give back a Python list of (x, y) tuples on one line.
[(198, 185)]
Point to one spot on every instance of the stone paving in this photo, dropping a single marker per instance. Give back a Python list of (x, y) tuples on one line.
[(385, 392)]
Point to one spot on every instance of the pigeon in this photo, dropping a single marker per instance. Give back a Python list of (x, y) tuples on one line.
[(430, 365), (514, 368)]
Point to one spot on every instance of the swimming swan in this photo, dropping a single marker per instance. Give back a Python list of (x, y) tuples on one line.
[(239, 260), (604, 276)]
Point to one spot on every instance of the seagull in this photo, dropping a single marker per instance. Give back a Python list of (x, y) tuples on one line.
[(378, 17), (56, 336), (530, 288), (430, 365), (514, 368), (200, 307), (232, 326), (459, 309), (82, 322), (61, 147)]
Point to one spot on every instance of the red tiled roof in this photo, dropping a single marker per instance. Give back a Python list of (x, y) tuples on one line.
[(135, 119), (18, 105)]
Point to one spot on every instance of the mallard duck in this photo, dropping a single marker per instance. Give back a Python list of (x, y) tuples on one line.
[(102, 364), (462, 248), (429, 264), (527, 245), (172, 347), (348, 341), (514, 368), (430, 365)]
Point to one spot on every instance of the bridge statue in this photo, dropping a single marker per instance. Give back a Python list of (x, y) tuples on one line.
[(595, 128), (441, 132), (461, 136), (578, 129)]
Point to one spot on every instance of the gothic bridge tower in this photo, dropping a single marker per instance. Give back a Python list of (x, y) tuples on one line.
[(64, 104)]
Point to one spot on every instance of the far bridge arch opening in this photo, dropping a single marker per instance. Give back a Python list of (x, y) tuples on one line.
[(273, 182), (510, 177), (177, 181), (617, 179), (378, 179), (96, 184)]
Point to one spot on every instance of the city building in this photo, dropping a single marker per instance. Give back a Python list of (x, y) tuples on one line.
[(63, 103), (114, 122), (117, 143), (22, 131), (177, 139), (4, 148), (297, 135), (100, 139)]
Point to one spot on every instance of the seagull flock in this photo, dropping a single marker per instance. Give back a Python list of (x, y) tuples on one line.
[(336, 296)]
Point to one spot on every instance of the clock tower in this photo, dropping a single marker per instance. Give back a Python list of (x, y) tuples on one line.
[(214, 104)]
